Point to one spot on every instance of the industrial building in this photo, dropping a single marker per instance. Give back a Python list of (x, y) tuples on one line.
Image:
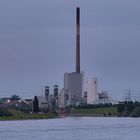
[(47, 93), (73, 82), (42, 104), (103, 98), (55, 92), (73, 87), (92, 90), (62, 99)]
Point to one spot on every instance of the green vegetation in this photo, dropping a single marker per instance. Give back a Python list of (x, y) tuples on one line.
[(136, 112), (129, 109), (104, 111), (124, 109), (5, 113), (12, 114)]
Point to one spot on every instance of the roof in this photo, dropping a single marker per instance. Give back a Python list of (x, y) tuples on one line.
[(41, 99), (105, 101)]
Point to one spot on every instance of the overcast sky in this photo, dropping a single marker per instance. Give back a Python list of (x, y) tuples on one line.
[(37, 44)]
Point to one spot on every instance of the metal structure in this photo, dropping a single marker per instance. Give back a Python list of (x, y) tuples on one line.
[(129, 95), (103, 98), (55, 90), (47, 93)]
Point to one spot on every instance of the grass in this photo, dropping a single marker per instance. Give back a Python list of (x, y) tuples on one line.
[(106, 111), (18, 115)]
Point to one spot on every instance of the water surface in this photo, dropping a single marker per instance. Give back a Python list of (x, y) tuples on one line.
[(72, 128)]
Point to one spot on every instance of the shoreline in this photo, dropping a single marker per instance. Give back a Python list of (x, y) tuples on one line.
[(28, 117), (46, 116), (56, 117), (90, 115)]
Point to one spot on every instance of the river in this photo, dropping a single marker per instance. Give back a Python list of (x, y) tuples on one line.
[(72, 128)]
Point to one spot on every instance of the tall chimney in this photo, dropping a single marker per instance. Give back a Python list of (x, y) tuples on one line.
[(77, 40)]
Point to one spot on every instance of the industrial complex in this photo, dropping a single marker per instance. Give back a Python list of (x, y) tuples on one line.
[(72, 94)]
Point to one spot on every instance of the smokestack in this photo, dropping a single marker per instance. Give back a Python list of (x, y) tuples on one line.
[(78, 40)]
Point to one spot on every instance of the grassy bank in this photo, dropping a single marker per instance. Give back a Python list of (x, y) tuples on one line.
[(105, 111), (18, 115)]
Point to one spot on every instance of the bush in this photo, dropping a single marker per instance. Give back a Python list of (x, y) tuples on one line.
[(125, 114), (120, 108), (136, 112), (130, 107), (109, 114), (5, 113)]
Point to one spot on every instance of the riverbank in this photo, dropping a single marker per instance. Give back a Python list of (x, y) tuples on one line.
[(127, 109), (18, 115), (96, 112)]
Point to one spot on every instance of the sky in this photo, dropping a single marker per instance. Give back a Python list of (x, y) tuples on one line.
[(37, 44)]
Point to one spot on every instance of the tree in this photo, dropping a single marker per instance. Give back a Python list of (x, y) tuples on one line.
[(5, 113), (35, 105), (120, 108), (130, 107), (136, 112)]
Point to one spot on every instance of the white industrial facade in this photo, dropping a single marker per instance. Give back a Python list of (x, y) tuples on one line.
[(103, 98), (42, 103), (62, 99), (92, 90), (73, 87)]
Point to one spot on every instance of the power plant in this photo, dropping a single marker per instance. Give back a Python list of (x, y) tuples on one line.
[(73, 92), (73, 82)]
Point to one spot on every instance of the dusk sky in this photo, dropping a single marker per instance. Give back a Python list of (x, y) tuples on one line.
[(37, 44)]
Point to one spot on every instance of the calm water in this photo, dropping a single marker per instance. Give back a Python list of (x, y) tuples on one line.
[(72, 128)]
